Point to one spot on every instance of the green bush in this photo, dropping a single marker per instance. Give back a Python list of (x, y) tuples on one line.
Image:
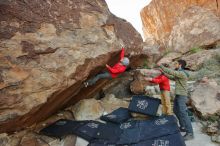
[(195, 50)]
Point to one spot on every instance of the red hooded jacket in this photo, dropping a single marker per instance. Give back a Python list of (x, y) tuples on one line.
[(118, 68), (163, 82)]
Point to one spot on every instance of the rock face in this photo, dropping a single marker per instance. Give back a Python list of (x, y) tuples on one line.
[(138, 86), (160, 17), (48, 48), (195, 27), (196, 61), (206, 98), (88, 109), (92, 109)]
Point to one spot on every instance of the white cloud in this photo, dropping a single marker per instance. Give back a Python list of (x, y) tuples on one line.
[(128, 10)]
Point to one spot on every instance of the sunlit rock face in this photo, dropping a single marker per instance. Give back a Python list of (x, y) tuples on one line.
[(48, 48), (162, 21), (196, 27)]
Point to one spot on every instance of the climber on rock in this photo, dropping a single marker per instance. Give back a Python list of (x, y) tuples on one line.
[(112, 72)]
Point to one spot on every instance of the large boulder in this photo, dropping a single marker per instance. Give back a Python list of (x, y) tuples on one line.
[(196, 27), (169, 58), (137, 86), (160, 16), (110, 103), (48, 48), (151, 54), (92, 109), (87, 109), (196, 61), (141, 86), (28, 138), (206, 98)]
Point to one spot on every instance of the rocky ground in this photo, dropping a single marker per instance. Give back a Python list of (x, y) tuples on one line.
[(118, 92), (201, 139), (87, 109)]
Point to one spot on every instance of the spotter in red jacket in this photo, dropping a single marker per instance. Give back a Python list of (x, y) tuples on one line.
[(163, 82)]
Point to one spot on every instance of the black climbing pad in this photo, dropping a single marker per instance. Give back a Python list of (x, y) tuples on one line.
[(89, 130), (109, 132), (148, 129), (168, 140), (117, 116), (144, 105), (62, 128)]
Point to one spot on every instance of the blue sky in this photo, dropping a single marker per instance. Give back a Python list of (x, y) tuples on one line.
[(128, 10)]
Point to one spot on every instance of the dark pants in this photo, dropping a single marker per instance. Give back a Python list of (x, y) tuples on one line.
[(105, 75), (180, 110)]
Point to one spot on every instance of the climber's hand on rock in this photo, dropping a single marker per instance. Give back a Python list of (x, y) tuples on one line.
[(122, 46)]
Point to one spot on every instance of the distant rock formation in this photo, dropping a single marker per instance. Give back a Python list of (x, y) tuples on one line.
[(180, 25)]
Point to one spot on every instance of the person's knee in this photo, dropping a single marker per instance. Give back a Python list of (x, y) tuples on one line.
[(183, 112)]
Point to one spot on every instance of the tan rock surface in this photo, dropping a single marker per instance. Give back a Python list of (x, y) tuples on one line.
[(196, 27), (160, 16), (88, 109), (206, 98), (196, 60), (48, 48)]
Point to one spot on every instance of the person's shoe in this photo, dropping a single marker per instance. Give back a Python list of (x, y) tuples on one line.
[(182, 129), (86, 84), (188, 136)]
